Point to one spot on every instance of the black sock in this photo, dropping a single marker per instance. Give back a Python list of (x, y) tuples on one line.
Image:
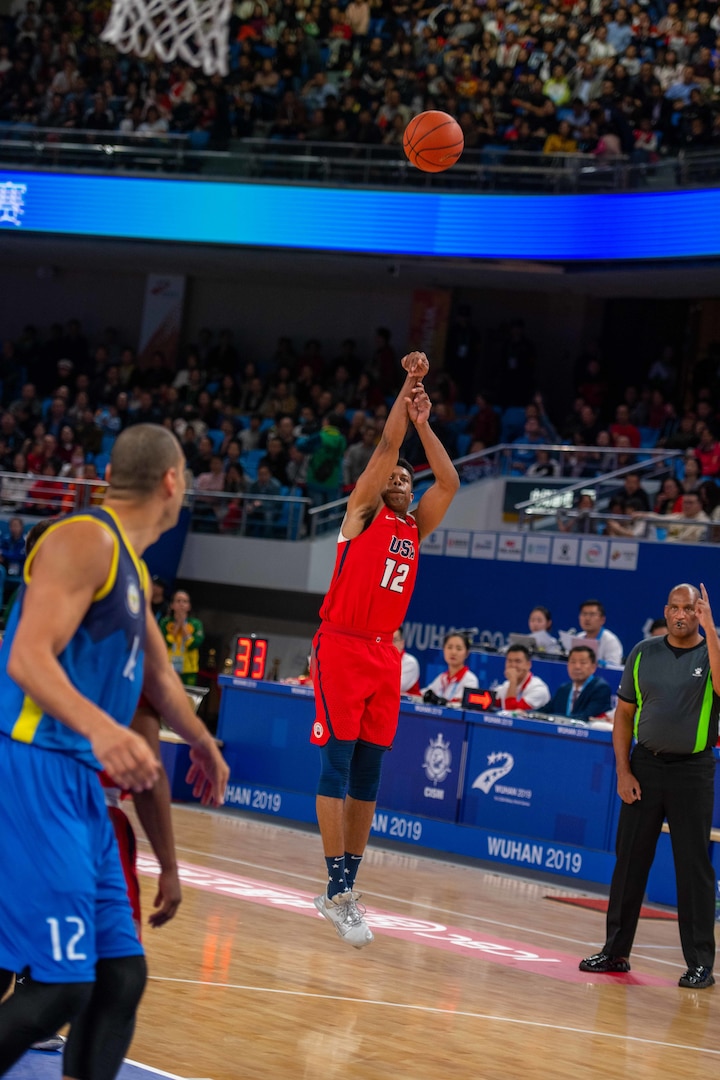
[(352, 865), (336, 875)]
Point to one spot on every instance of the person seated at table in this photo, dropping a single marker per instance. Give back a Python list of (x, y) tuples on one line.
[(451, 684), (634, 524), (592, 620), (521, 690), (410, 669), (586, 693), (581, 521), (540, 625)]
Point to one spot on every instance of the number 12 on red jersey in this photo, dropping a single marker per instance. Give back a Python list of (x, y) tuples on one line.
[(394, 576)]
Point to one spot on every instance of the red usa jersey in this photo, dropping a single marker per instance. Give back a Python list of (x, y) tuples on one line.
[(374, 576)]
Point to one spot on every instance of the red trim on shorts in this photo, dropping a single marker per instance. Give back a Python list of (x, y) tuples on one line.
[(125, 835), (350, 631)]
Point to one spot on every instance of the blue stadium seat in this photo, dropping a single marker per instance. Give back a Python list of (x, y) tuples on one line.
[(101, 463), (199, 140), (513, 423), (463, 445), (289, 519), (216, 436), (250, 460), (648, 437)]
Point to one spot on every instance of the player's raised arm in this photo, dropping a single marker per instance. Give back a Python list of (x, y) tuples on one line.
[(436, 500), (59, 594), (366, 494), (209, 773)]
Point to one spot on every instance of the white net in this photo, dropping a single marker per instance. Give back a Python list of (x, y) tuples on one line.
[(193, 31)]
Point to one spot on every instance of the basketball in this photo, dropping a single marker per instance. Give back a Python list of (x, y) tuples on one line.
[(433, 141)]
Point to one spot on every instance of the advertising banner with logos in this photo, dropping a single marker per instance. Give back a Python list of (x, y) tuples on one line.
[(422, 773), (511, 781), (490, 581), (474, 784)]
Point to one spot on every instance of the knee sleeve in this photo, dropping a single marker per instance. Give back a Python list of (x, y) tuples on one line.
[(102, 1033), (36, 1013), (365, 772), (335, 758)]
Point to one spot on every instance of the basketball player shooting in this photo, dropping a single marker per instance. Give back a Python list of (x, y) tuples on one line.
[(355, 666)]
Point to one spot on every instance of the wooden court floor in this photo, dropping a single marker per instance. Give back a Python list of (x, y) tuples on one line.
[(472, 974)]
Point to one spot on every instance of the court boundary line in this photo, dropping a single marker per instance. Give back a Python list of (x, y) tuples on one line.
[(159, 1072), (434, 1010)]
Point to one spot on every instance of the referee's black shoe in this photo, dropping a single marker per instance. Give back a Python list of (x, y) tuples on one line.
[(602, 964), (697, 978)]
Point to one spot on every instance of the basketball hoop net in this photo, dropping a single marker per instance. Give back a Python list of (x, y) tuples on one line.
[(194, 31)]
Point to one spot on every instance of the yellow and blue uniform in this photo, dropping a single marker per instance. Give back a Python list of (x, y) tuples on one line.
[(64, 904)]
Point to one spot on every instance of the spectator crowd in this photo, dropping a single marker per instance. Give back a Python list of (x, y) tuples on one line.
[(305, 422), (608, 77)]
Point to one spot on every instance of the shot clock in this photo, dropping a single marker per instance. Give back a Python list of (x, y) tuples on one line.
[(249, 657)]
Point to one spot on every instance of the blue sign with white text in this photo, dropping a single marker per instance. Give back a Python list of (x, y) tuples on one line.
[(518, 780), (422, 771)]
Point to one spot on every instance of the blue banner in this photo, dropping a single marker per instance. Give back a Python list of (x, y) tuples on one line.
[(490, 582), (511, 781), (638, 225)]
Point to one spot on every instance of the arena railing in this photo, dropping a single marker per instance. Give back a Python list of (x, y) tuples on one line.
[(501, 461), (280, 517), (493, 168), (543, 510), (648, 526), (291, 517)]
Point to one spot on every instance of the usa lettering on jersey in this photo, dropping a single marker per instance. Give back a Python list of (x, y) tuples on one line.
[(402, 546)]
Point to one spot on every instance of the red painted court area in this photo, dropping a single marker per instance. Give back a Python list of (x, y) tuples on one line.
[(507, 952)]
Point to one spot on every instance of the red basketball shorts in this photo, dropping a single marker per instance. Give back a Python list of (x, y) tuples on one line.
[(357, 688), (128, 853)]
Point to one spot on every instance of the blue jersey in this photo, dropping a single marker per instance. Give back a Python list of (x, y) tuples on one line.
[(104, 658)]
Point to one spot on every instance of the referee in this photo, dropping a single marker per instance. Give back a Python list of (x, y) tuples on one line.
[(668, 702)]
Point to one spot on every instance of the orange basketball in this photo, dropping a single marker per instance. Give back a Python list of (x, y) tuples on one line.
[(433, 141)]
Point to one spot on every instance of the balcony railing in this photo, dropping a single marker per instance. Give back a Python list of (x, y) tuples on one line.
[(494, 168), (292, 517)]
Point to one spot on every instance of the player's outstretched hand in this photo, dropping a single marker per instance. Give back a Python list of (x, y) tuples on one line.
[(168, 898), (208, 773), (703, 609), (416, 364), (125, 757), (418, 405)]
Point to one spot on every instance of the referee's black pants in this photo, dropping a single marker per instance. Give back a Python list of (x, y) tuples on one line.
[(681, 789)]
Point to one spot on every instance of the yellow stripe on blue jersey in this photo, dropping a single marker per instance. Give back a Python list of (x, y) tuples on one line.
[(104, 658), (71, 520), (27, 722)]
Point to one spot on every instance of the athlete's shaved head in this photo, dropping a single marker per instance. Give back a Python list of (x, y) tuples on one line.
[(141, 456), (695, 592)]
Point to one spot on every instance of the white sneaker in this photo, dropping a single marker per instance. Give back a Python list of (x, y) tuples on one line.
[(347, 918), (55, 1042)]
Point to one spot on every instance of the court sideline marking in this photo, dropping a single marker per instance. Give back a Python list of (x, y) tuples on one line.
[(434, 1010)]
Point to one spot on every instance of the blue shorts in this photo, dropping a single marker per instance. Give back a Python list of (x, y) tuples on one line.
[(63, 902)]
